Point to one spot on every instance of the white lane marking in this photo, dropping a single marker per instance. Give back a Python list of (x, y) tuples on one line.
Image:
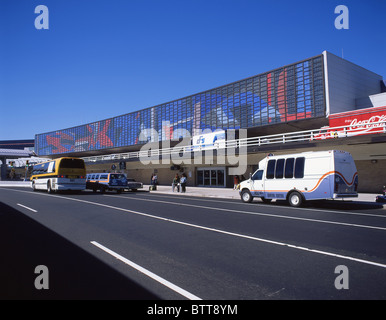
[(220, 231), (270, 205), (257, 213), (33, 210), (147, 272)]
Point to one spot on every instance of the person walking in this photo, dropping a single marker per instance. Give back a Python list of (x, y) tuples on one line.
[(155, 179), (176, 183)]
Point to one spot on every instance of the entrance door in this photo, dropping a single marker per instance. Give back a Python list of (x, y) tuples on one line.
[(211, 177)]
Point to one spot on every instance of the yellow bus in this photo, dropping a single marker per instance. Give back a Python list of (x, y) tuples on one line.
[(65, 173)]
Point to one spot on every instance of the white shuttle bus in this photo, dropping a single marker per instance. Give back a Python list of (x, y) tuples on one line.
[(301, 177)]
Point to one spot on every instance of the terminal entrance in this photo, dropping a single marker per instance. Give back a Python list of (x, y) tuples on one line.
[(211, 177)]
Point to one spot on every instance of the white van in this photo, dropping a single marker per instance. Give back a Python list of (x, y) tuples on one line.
[(303, 176)]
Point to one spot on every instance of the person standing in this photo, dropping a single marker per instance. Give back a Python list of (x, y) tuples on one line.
[(236, 181), (176, 183), (183, 183)]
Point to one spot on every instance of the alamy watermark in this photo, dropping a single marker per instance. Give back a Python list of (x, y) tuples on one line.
[(42, 20), (226, 150), (342, 20), (42, 280), (342, 280)]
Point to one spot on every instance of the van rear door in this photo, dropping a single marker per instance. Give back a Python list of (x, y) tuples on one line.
[(346, 176)]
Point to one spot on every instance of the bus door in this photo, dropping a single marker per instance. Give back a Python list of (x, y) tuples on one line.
[(257, 187)]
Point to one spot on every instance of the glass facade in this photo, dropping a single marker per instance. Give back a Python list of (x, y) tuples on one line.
[(289, 93)]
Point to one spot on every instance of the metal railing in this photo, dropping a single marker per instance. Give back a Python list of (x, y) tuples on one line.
[(299, 136)]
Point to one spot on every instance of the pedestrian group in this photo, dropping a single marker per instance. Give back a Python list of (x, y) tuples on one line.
[(179, 183)]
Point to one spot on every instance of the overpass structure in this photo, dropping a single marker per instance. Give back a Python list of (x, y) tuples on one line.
[(9, 154)]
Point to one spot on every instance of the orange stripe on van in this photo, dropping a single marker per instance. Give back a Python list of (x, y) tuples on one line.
[(318, 183)]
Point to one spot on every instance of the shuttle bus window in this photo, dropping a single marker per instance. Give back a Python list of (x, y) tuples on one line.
[(279, 169), (299, 167), (271, 169), (289, 168)]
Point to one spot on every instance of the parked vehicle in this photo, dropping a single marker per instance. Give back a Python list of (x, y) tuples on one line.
[(59, 174), (380, 199), (106, 181), (301, 177), (134, 185)]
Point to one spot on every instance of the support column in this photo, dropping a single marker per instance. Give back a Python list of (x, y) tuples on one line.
[(3, 169)]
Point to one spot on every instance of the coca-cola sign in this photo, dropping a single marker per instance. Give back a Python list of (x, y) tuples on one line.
[(353, 123), (367, 124)]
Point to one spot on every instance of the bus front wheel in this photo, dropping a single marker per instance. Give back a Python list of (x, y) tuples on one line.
[(246, 196)]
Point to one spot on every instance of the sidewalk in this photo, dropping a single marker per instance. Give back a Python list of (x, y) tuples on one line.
[(15, 184), (222, 193), (227, 193)]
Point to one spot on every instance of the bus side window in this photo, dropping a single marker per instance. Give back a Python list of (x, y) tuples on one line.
[(45, 169), (97, 177), (38, 169), (271, 169), (289, 168), (279, 169), (299, 167), (51, 166)]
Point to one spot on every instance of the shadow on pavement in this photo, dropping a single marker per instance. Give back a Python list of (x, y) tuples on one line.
[(73, 273), (337, 204)]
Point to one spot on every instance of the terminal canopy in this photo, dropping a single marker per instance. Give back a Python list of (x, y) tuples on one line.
[(15, 153)]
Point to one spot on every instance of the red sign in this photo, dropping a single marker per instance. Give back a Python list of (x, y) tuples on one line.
[(356, 122)]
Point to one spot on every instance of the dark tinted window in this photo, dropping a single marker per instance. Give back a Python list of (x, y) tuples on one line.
[(117, 176), (258, 175), (279, 169), (299, 167), (271, 169), (289, 168), (72, 163), (39, 168)]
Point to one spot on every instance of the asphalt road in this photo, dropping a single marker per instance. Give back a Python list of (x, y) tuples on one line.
[(150, 246)]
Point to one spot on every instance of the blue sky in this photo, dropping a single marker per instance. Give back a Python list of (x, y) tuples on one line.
[(100, 59)]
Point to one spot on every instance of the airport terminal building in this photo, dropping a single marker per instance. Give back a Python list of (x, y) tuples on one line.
[(294, 98)]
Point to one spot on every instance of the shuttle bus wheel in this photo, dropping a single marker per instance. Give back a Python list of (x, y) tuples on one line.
[(246, 196), (295, 199)]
